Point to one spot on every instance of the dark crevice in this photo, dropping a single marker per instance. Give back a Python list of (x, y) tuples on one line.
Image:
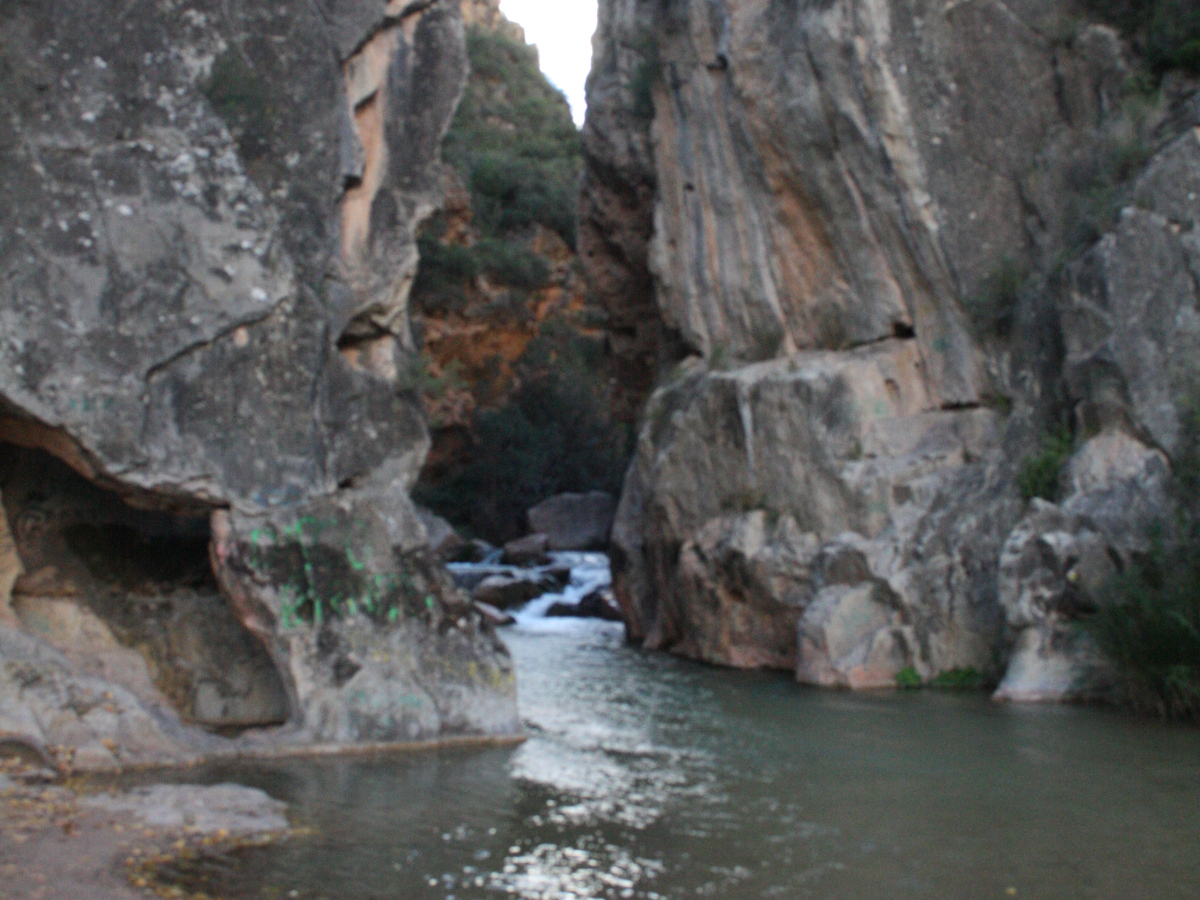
[(961, 406), (142, 578)]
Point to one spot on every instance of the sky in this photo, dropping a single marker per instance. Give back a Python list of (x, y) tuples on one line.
[(562, 31)]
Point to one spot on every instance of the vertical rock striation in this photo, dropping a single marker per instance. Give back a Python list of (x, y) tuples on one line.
[(845, 213), (208, 214)]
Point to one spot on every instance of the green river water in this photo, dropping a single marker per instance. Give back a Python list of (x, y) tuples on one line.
[(650, 777)]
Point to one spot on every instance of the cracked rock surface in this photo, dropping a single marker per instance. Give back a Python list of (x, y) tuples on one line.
[(855, 268), (207, 218)]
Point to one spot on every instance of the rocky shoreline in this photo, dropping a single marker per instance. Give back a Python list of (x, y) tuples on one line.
[(66, 842)]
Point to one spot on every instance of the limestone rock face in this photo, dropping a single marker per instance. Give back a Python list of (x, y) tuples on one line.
[(83, 722), (871, 245), (10, 570), (1130, 320), (220, 808), (1055, 563), (870, 484), (824, 175), (208, 221), (616, 212)]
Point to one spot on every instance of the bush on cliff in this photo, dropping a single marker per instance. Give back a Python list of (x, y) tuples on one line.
[(1149, 622), (1039, 474), (1166, 32), (513, 141)]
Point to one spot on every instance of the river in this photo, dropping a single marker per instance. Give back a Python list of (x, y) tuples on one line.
[(649, 777)]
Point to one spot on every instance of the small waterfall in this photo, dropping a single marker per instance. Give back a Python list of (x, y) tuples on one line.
[(590, 572)]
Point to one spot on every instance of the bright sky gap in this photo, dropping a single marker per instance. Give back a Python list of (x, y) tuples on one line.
[(562, 31)]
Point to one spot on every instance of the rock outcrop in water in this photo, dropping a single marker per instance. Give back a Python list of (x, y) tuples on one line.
[(853, 242), (208, 214)]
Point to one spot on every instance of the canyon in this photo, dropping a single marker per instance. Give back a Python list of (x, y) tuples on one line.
[(853, 268)]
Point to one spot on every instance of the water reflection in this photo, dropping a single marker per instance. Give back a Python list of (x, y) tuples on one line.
[(647, 777)]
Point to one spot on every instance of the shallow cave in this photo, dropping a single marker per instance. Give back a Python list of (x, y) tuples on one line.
[(128, 594)]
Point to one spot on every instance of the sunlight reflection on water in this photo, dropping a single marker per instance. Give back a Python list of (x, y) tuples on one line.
[(647, 777)]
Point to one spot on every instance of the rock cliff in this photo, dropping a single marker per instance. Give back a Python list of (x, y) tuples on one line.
[(207, 234), (850, 255)]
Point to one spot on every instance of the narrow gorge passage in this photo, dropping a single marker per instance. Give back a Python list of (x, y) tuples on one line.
[(784, 485)]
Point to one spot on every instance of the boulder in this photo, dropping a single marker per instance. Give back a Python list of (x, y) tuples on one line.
[(560, 572), (480, 551), (86, 723), (854, 636), (754, 489), (374, 641), (574, 521), (497, 617), (1056, 562), (599, 604), (512, 590), (444, 541), (1055, 662), (527, 551)]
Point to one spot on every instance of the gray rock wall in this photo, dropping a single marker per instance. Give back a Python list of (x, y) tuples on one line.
[(207, 216), (875, 234)]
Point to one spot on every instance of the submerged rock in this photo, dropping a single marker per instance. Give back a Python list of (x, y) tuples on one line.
[(530, 550), (599, 604), (512, 590), (497, 617), (444, 541), (225, 809)]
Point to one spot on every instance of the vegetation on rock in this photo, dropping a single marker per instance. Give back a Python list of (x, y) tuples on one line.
[(1039, 474), (552, 436), (513, 141), (240, 98), (1167, 32), (502, 306), (1149, 621)]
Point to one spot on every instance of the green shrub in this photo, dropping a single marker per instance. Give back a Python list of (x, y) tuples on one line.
[(1149, 625), (907, 679), (1096, 180), (509, 264), (993, 307), (1173, 36), (958, 680), (445, 272), (1039, 474), (1167, 32), (513, 141), (1148, 622)]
